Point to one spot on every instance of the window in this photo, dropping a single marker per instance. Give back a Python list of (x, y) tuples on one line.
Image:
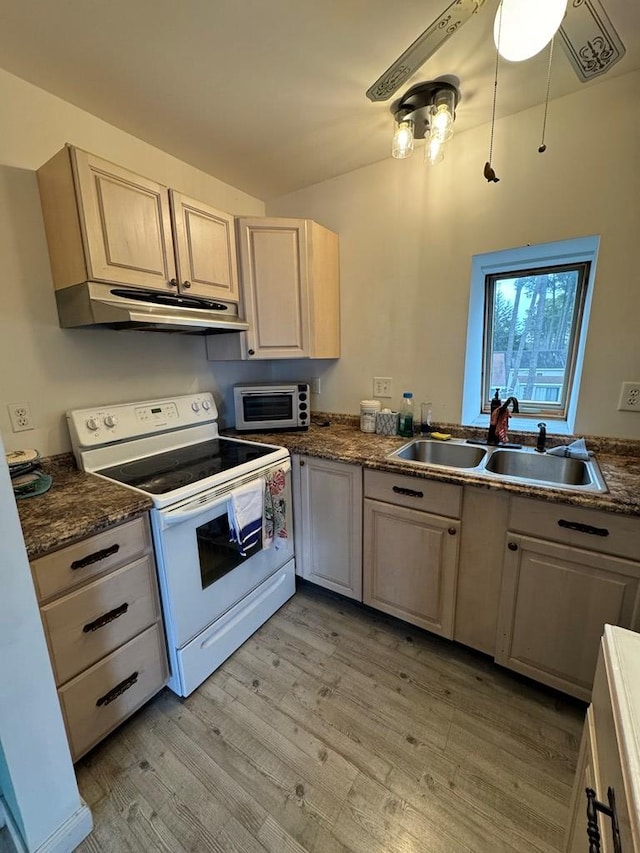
[(528, 318)]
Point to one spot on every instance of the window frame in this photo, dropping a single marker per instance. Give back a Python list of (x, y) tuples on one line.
[(511, 262)]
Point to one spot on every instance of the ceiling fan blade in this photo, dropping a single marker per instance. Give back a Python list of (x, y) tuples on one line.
[(590, 40), (453, 17)]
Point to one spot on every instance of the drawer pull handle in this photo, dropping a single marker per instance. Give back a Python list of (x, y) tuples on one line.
[(412, 493), (90, 559), (593, 830), (103, 620), (451, 531), (118, 690), (583, 528), (512, 546)]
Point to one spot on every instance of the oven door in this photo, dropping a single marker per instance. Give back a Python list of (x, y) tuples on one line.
[(201, 572)]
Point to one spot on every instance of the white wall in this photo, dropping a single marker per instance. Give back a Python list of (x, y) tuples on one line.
[(407, 234), (55, 369)]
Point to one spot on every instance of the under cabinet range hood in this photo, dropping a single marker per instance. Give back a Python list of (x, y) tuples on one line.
[(119, 307)]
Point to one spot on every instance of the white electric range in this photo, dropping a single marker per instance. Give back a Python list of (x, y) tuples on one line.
[(213, 598)]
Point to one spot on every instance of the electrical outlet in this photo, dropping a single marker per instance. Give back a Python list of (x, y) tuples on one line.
[(20, 415), (314, 385), (382, 386), (629, 397)]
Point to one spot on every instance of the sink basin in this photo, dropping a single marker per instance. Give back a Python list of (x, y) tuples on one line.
[(430, 452), (527, 466)]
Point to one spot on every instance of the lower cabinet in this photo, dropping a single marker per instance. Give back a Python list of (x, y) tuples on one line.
[(327, 498), (576, 840), (556, 598), (410, 559), (609, 752), (101, 614)]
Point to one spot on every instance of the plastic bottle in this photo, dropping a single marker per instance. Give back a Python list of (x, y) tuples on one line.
[(368, 409), (405, 425)]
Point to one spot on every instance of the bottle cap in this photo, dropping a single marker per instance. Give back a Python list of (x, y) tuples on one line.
[(407, 394)]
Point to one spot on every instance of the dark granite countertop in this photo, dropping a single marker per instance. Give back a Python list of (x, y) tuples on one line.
[(76, 506), (342, 441), (79, 505)]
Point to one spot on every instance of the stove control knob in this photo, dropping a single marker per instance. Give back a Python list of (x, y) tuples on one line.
[(92, 424), (110, 420), (206, 405), (195, 406)]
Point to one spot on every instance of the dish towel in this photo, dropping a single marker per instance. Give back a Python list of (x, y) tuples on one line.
[(274, 530), (576, 450), (245, 515)]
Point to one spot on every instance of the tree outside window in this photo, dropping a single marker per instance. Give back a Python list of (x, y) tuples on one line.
[(532, 325), (527, 331)]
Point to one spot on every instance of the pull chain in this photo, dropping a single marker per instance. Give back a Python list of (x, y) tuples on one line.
[(542, 147), (489, 173)]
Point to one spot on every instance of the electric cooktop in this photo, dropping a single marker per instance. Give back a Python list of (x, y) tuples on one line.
[(166, 472)]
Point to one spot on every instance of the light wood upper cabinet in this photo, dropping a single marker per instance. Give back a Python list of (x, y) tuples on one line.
[(327, 499), (205, 244), (105, 223), (289, 270)]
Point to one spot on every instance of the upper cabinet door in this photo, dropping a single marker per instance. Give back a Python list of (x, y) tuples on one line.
[(205, 244), (126, 224), (274, 275)]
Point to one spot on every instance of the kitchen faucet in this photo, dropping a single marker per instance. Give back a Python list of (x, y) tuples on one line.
[(499, 424), (542, 438)]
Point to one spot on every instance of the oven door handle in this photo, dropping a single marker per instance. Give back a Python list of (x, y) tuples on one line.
[(177, 516)]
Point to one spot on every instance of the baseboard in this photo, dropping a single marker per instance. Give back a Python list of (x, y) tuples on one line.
[(64, 840), (69, 835)]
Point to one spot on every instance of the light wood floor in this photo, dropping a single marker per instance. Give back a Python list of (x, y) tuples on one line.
[(336, 729)]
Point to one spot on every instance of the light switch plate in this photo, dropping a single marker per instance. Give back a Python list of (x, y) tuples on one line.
[(382, 386)]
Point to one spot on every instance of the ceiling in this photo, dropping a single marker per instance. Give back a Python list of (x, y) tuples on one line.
[(267, 95)]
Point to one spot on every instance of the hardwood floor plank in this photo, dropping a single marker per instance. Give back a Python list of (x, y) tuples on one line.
[(334, 729), (374, 819), (136, 825), (279, 789), (263, 718)]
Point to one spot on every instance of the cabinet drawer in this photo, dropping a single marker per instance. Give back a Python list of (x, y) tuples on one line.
[(76, 564), (95, 702), (414, 492), (594, 530), (91, 622)]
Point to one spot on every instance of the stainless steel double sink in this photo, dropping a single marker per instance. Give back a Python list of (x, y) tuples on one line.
[(525, 465)]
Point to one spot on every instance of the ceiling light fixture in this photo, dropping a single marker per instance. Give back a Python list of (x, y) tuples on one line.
[(523, 28), (426, 111)]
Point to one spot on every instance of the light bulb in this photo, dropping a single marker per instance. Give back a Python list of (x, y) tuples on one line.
[(402, 140), (441, 123), (434, 151), (523, 28)]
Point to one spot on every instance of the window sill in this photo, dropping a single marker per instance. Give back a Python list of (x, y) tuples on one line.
[(517, 424)]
